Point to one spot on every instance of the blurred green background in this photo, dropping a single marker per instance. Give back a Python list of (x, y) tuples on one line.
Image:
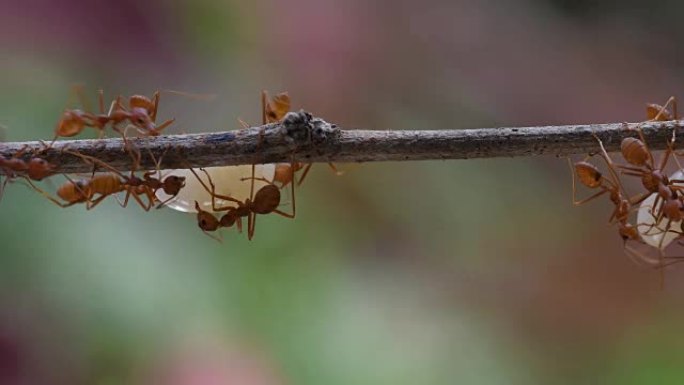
[(477, 271)]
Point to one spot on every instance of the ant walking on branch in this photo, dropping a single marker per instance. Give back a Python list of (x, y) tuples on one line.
[(141, 114)]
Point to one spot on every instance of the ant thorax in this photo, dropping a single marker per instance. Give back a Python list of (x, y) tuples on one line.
[(227, 180), (658, 236)]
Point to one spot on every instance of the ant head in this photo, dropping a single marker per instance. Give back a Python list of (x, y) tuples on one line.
[(173, 184), (140, 118), (205, 220), (140, 101), (39, 168)]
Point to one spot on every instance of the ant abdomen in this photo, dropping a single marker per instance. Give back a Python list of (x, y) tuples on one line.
[(658, 113), (635, 151), (266, 199), (588, 174)]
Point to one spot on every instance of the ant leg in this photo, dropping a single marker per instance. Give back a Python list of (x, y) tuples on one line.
[(129, 192), (294, 207), (251, 224), (217, 239), (164, 202), (304, 173), (100, 100), (635, 200), (668, 152), (158, 129), (212, 191), (663, 109), (77, 91), (115, 105), (91, 204), (93, 160), (336, 171), (264, 100), (261, 179), (124, 135), (660, 253), (155, 105), (142, 204), (629, 173), (611, 166), (48, 196), (629, 169)]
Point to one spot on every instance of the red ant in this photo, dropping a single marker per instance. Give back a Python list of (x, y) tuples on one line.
[(658, 113), (265, 201), (35, 168), (84, 190), (136, 186), (591, 177), (642, 164), (141, 113)]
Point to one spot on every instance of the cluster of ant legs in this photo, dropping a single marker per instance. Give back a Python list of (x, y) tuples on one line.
[(660, 204), (142, 186)]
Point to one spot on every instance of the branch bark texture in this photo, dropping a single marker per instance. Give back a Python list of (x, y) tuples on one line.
[(308, 139)]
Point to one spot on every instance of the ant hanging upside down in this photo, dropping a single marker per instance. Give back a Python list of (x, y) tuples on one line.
[(92, 191), (265, 201)]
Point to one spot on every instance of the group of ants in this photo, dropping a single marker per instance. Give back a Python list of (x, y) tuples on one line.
[(668, 206), (140, 114)]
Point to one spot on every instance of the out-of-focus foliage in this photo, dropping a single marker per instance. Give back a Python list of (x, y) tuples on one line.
[(400, 273)]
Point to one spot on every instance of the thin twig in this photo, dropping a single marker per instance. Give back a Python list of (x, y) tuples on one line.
[(314, 140)]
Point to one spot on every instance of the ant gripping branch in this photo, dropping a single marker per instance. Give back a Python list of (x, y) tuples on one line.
[(136, 186), (642, 164), (36, 168), (591, 177), (265, 201), (658, 113), (141, 114)]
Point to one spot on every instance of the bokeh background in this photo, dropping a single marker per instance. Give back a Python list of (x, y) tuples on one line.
[(477, 271)]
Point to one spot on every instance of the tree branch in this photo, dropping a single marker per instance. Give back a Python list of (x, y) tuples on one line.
[(314, 140)]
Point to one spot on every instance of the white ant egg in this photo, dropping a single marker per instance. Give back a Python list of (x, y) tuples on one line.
[(227, 180), (652, 235)]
